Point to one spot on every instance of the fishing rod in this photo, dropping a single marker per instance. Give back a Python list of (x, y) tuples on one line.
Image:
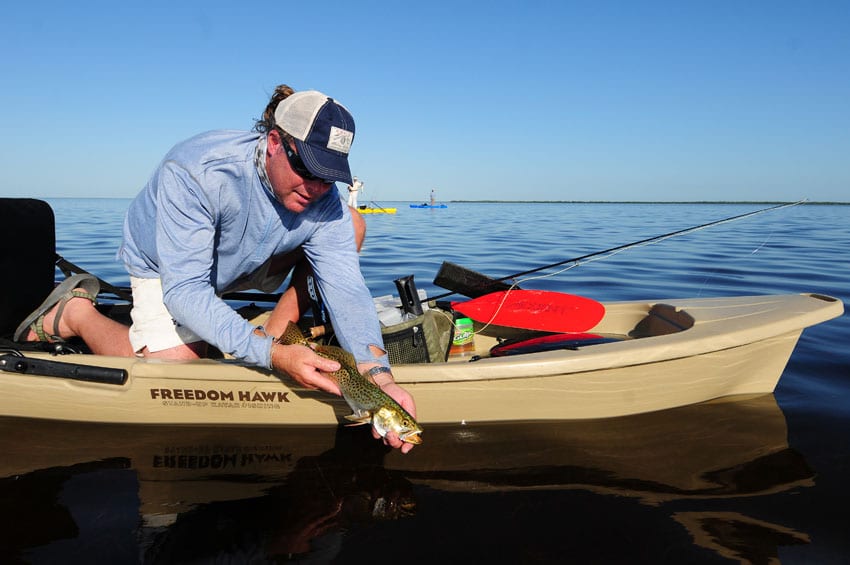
[(378, 206), (486, 284)]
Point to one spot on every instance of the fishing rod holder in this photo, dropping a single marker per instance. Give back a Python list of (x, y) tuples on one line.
[(410, 302)]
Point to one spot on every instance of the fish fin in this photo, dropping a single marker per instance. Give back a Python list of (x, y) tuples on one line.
[(359, 419)]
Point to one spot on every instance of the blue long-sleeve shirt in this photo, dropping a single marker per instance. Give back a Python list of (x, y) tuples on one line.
[(205, 221)]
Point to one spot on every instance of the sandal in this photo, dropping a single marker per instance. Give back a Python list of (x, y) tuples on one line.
[(83, 286)]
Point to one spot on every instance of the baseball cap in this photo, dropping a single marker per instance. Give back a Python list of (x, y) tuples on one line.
[(323, 130)]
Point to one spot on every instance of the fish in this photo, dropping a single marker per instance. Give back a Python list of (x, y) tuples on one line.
[(369, 404)]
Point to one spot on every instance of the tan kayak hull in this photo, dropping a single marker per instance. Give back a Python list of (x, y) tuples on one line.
[(729, 346)]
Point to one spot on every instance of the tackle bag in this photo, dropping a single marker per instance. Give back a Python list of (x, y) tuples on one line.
[(424, 339)]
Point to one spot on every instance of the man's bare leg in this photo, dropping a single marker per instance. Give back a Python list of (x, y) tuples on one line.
[(103, 335), (185, 352), (359, 224)]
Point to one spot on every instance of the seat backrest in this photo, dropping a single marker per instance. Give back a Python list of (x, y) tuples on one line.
[(27, 258)]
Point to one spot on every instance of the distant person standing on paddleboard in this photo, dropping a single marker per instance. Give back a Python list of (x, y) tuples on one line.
[(353, 189)]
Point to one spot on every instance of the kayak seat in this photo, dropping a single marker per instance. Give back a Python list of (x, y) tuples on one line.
[(27, 259)]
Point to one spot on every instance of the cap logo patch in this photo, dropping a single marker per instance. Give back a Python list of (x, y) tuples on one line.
[(340, 140)]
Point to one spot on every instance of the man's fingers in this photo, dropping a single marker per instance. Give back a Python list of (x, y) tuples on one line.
[(320, 381), (327, 365)]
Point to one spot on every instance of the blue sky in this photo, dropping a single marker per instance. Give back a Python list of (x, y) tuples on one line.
[(531, 100)]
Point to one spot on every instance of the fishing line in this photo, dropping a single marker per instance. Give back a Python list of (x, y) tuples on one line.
[(758, 248), (606, 253)]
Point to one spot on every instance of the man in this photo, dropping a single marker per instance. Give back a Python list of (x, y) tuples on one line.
[(229, 210), (353, 190)]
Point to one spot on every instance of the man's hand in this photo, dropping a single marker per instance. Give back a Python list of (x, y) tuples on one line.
[(305, 366), (388, 385)]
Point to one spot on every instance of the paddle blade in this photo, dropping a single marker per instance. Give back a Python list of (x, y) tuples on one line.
[(539, 310), (466, 281)]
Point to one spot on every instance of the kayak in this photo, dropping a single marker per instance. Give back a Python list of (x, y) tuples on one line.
[(664, 354), (616, 359), (429, 206), (377, 210)]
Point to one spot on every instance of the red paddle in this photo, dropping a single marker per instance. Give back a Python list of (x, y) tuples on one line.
[(534, 310)]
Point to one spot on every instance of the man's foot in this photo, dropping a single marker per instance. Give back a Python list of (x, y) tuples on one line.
[(50, 313)]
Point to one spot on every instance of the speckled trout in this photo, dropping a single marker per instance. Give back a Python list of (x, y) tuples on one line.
[(369, 404)]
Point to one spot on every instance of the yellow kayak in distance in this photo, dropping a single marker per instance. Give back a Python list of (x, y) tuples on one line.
[(367, 210)]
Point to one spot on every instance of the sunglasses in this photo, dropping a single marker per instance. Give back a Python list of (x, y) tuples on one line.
[(297, 165)]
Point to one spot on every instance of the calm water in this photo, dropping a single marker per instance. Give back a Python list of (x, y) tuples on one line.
[(756, 481)]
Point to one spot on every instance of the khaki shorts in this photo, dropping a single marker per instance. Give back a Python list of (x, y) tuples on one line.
[(153, 327)]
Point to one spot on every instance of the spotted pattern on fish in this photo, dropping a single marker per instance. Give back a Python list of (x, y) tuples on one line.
[(369, 404)]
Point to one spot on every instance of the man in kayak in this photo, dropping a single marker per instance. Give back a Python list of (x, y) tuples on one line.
[(233, 210)]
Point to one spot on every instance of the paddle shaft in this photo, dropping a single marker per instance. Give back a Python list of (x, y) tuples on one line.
[(632, 244)]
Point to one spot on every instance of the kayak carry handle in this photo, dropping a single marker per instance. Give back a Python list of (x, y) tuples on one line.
[(17, 363)]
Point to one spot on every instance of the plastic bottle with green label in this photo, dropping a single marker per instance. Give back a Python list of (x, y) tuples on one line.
[(463, 343)]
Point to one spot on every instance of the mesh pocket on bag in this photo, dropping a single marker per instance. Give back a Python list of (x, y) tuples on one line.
[(425, 339), (407, 346)]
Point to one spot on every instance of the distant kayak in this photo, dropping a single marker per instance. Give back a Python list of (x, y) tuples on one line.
[(429, 206), (377, 210)]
